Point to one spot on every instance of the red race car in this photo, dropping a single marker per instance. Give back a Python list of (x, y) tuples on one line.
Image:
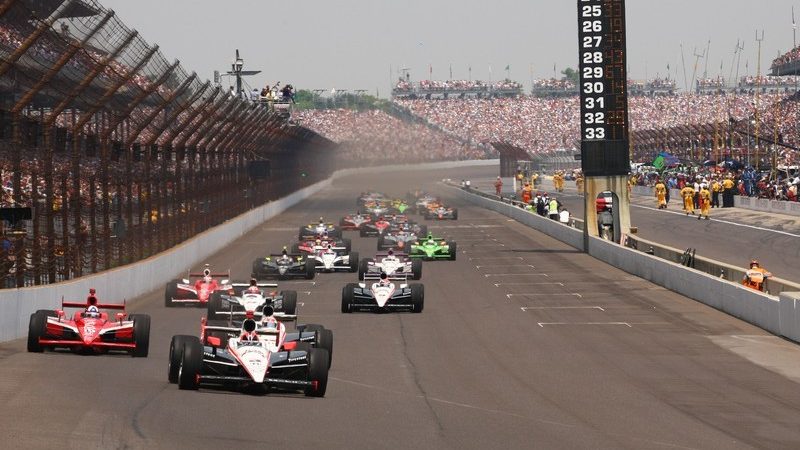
[(198, 292), (90, 330), (354, 221), (312, 246)]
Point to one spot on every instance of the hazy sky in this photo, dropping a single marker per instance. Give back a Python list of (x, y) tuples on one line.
[(350, 44)]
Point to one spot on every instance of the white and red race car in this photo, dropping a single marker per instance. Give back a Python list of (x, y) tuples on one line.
[(392, 264)]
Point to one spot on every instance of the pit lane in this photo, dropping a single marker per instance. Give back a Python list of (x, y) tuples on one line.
[(567, 353)]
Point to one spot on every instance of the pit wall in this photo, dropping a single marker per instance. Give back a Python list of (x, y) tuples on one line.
[(133, 280), (751, 203), (777, 315)]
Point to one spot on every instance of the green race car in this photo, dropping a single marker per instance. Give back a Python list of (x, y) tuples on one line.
[(400, 206), (432, 248)]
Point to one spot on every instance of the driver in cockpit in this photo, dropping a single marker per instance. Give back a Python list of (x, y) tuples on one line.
[(253, 288)]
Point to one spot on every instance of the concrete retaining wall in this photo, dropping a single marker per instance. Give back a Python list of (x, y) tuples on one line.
[(778, 316), (137, 279)]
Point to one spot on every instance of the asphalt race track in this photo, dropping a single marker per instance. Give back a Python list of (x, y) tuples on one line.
[(523, 343)]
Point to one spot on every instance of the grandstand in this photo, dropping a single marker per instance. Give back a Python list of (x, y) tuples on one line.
[(435, 89), (119, 152)]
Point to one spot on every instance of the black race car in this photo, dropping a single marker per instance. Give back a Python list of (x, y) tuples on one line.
[(284, 266)]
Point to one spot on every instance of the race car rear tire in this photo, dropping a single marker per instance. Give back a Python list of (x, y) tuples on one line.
[(455, 213), (295, 248), (36, 330), (380, 243), (453, 250), (175, 355), (170, 292), (214, 304), (302, 233), (363, 267), (141, 335), (318, 363), (302, 347), (423, 231), (311, 269), (348, 297), (416, 269), (354, 262), (362, 232), (335, 232), (348, 245), (191, 363), (417, 297), (325, 340), (289, 302)]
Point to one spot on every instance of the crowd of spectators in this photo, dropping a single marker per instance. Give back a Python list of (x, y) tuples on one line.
[(789, 57), (554, 83), (549, 124), (453, 85), (375, 136), (711, 83), (768, 81)]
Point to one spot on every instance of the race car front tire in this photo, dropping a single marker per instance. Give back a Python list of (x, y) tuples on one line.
[(170, 292), (289, 302), (347, 244), (141, 335), (455, 213), (348, 297), (36, 327), (318, 363), (175, 355), (416, 269), (417, 297), (311, 269), (191, 363), (453, 250)]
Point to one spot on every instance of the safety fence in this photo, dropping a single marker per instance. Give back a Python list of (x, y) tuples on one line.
[(118, 152)]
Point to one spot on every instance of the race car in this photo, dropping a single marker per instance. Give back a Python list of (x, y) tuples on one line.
[(375, 228), (399, 206), (354, 221), (258, 358), (197, 293), (331, 259), (367, 197), (391, 264), (401, 221), (396, 238), (313, 335), (377, 209), (422, 201), (433, 248), (225, 305), (382, 293), (90, 330), (319, 229), (312, 246), (441, 212), (284, 266)]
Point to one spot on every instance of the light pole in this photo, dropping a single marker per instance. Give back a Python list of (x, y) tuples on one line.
[(236, 70)]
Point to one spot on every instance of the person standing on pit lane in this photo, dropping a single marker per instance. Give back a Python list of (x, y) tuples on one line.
[(687, 193), (716, 189), (552, 209), (498, 187), (705, 202), (727, 192), (661, 195)]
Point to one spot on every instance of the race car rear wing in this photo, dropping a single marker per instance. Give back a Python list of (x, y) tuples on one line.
[(247, 285), (120, 306), (376, 276), (212, 274), (290, 255), (398, 254)]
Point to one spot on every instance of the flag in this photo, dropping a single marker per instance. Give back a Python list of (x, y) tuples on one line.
[(658, 163), (451, 71)]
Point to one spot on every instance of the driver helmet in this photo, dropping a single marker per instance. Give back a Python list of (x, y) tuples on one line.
[(430, 237), (321, 221), (324, 234), (318, 241), (754, 263), (391, 252), (92, 311), (249, 331), (329, 247), (253, 288), (384, 278)]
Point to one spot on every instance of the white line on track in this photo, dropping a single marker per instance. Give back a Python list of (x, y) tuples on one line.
[(627, 324), (487, 275), (528, 284), (508, 265), (544, 295), (529, 308), (497, 257)]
